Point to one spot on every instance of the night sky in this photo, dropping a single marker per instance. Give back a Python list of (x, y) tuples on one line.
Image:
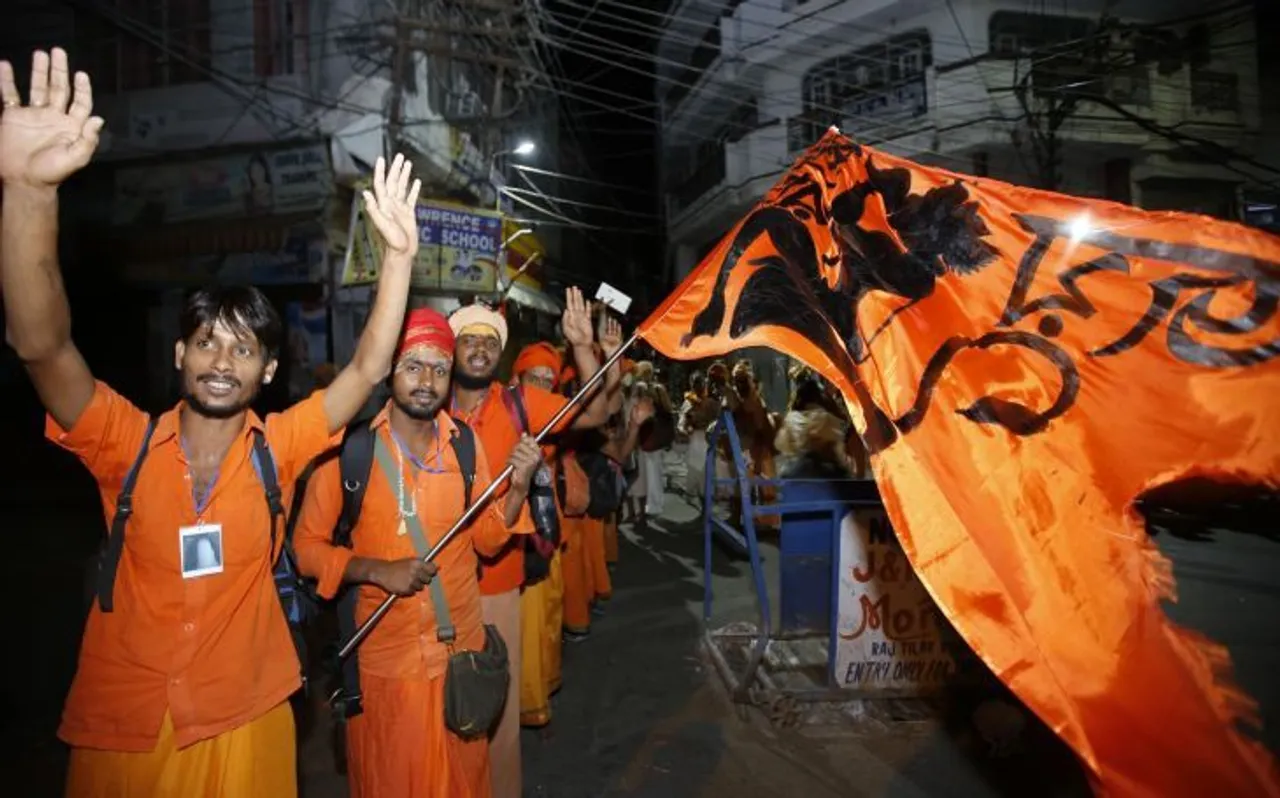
[(609, 134)]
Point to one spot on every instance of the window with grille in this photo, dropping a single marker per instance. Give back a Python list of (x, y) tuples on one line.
[(280, 36), (1012, 33), (886, 79), (146, 44)]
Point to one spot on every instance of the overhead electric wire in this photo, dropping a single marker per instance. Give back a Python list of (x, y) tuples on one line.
[(575, 178), (1056, 50)]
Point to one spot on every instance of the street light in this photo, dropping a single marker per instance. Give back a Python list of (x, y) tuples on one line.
[(524, 147)]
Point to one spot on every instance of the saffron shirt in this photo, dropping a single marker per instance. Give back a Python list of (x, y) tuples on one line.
[(404, 644), (214, 650), (498, 431)]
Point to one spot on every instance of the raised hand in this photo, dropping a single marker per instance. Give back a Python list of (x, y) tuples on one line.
[(641, 411), (609, 334), (576, 321), (391, 205), (44, 142)]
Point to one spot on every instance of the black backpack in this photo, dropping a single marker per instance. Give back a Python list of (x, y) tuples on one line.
[(542, 502), (605, 482), (355, 463), (296, 599)]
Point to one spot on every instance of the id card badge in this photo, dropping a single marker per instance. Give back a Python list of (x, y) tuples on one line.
[(201, 550)]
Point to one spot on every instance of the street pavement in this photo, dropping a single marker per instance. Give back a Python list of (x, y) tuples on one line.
[(640, 713)]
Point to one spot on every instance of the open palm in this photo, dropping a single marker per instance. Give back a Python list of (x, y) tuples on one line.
[(44, 142), (575, 323), (392, 205)]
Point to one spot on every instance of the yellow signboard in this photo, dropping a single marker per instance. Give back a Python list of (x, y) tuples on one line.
[(457, 248)]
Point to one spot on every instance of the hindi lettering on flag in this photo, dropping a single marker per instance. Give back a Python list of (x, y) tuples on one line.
[(1024, 366)]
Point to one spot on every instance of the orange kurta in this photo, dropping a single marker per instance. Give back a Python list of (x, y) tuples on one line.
[(498, 432), (211, 653), (399, 747)]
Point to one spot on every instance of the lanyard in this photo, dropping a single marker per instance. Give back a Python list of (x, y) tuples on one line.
[(418, 463)]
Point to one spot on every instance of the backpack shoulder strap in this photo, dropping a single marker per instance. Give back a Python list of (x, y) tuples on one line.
[(110, 560), (514, 400), (355, 462), (265, 465), (464, 448)]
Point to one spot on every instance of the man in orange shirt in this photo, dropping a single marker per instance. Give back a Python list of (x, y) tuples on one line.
[(538, 366), (399, 745), (482, 402), (187, 662)]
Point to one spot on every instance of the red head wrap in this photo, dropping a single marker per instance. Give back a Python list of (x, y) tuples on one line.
[(538, 354), (425, 327)]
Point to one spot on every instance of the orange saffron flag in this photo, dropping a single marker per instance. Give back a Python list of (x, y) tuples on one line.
[(1023, 365)]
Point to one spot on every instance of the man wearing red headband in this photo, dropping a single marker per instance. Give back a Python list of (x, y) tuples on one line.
[(399, 745), (482, 402)]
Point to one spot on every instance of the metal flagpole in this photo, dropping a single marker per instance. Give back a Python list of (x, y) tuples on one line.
[(487, 494)]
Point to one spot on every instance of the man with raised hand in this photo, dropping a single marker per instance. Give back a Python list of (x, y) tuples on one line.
[(500, 417), (187, 662)]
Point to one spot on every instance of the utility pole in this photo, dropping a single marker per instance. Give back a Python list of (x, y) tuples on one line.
[(1051, 90), (399, 68)]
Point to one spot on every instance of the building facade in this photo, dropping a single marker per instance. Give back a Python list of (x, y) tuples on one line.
[(1151, 103), (238, 133)]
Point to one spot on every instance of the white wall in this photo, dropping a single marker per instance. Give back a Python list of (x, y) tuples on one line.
[(970, 108)]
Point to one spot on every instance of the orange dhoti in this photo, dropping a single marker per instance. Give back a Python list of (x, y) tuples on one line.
[(541, 615), (601, 585), (399, 746), (578, 585), (256, 760)]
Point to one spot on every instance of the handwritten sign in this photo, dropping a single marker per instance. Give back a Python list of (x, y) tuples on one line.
[(888, 632)]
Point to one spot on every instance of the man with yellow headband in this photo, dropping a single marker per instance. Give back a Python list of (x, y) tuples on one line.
[(484, 404)]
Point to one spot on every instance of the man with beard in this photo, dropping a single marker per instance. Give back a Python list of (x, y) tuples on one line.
[(184, 671), (399, 745), (487, 407)]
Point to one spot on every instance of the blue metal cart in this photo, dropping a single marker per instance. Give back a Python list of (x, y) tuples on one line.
[(811, 512)]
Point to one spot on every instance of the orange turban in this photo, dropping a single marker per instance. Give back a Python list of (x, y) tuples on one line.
[(538, 354), (568, 375)]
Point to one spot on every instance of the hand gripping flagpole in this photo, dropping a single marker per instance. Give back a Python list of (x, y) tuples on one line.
[(478, 504)]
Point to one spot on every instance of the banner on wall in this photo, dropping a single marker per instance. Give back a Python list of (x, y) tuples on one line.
[(252, 183)]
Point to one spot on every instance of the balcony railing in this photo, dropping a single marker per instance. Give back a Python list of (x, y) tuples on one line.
[(704, 55)]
